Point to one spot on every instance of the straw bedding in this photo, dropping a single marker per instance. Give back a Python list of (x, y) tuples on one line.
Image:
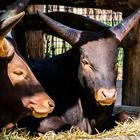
[(128, 131)]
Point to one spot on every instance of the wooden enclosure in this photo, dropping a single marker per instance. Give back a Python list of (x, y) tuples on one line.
[(131, 82), (29, 32)]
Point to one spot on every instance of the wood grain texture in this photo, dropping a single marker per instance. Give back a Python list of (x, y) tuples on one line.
[(118, 5)]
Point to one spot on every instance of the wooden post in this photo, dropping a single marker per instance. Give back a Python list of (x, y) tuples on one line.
[(131, 72), (35, 39)]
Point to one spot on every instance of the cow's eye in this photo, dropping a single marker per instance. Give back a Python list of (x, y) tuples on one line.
[(18, 72), (85, 61)]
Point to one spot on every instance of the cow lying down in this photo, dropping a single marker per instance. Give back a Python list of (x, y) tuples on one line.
[(82, 81), (20, 92)]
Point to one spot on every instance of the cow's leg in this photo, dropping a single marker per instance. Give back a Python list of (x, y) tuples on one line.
[(110, 122), (58, 124), (53, 123), (84, 125), (73, 116), (43, 125)]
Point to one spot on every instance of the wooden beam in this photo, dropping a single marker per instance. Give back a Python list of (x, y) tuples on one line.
[(132, 110), (33, 22), (118, 5)]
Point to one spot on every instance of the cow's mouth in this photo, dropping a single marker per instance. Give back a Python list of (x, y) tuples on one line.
[(39, 115), (39, 111), (106, 102), (38, 108)]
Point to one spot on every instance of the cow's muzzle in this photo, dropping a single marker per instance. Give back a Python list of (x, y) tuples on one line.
[(106, 97), (43, 110), (39, 106)]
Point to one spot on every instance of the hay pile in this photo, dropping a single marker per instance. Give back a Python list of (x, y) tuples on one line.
[(17, 134), (126, 131)]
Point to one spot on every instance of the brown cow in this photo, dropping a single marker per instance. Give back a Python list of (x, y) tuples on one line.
[(20, 92), (81, 81)]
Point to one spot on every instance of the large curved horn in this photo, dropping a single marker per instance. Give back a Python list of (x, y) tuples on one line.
[(5, 27), (69, 34), (8, 24), (14, 9), (122, 29)]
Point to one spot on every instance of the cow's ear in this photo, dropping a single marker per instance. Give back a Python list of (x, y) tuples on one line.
[(122, 29), (5, 26), (70, 35)]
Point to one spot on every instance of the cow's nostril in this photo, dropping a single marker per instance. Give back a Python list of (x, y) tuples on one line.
[(108, 94), (114, 95), (103, 94), (51, 104)]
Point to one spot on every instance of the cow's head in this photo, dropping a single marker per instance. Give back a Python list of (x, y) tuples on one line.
[(20, 92), (98, 55)]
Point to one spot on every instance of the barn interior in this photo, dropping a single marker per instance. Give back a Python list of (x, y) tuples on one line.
[(37, 41)]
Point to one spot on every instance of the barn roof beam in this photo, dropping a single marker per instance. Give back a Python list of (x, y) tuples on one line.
[(33, 22), (118, 5)]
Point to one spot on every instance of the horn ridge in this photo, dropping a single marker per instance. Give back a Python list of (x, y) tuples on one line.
[(8, 24), (14, 9), (122, 29), (70, 35), (5, 27)]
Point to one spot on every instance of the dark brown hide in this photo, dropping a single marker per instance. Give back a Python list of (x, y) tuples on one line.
[(82, 81)]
